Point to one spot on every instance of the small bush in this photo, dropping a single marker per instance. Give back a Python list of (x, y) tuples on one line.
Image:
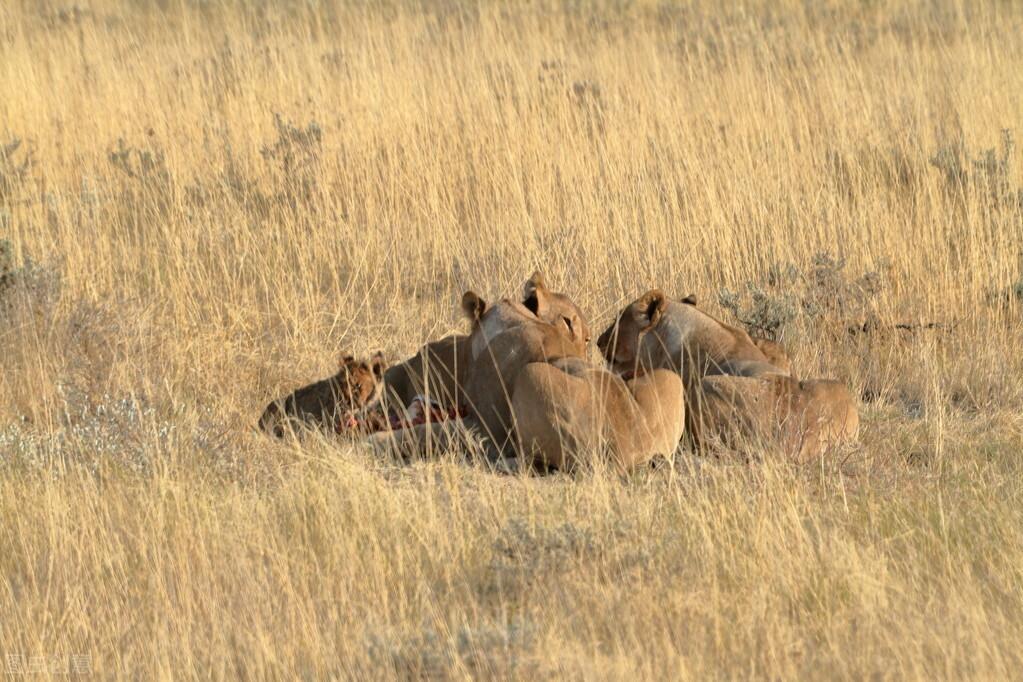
[(1007, 296), (296, 148), (146, 181), (31, 284), (143, 164), (123, 432), (15, 164), (988, 173), (6, 264), (762, 313), (823, 292), (485, 649)]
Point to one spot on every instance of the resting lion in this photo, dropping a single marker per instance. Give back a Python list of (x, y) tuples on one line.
[(545, 326), (505, 337), (529, 387), (733, 392), (803, 418), (571, 409), (709, 345)]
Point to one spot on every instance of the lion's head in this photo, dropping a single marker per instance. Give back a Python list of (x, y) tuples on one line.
[(620, 343), (322, 403), (538, 304)]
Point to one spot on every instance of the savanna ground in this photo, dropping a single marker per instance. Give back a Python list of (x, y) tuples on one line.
[(211, 200)]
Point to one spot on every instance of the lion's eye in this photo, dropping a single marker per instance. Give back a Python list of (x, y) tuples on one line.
[(568, 322)]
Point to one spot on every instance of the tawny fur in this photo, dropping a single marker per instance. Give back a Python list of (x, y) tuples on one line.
[(322, 403), (570, 410), (509, 336), (438, 372), (733, 391), (505, 338)]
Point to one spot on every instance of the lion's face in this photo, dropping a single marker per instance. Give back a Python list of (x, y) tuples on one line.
[(322, 402), (558, 310), (538, 303), (358, 380)]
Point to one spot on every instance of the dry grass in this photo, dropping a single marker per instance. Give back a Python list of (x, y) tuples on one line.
[(211, 200)]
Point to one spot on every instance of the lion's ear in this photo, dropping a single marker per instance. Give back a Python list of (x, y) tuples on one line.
[(473, 306), (651, 307), (535, 281), (535, 294), (345, 359), (690, 299), (378, 364)]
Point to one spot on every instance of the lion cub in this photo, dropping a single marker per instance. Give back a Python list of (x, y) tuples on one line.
[(324, 404)]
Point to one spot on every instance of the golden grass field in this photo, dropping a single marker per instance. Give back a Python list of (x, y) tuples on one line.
[(212, 200)]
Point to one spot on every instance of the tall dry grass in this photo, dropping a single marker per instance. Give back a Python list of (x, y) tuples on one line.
[(211, 200)]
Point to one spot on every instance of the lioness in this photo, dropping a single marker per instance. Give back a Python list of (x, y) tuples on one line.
[(732, 389), (543, 325), (571, 408), (710, 346), (323, 403), (528, 375), (737, 345)]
